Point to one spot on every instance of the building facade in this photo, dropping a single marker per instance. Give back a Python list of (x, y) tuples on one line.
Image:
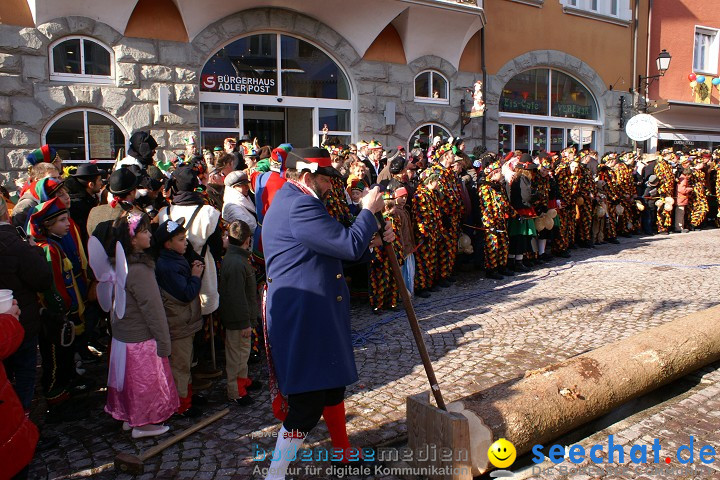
[(84, 76), (685, 101)]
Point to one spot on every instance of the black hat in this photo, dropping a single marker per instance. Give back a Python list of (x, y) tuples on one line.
[(185, 179), (142, 146), (168, 229), (87, 170), (313, 159), (122, 181), (396, 161)]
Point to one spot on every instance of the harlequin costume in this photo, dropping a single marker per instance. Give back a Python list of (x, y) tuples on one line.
[(384, 290), (666, 188), (336, 202), (265, 185), (64, 299), (587, 192), (627, 192), (521, 227), (613, 200), (494, 214), (426, 215), (699, 201), (568, 188)]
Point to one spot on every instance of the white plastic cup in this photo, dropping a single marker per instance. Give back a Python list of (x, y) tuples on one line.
[(6, 300)]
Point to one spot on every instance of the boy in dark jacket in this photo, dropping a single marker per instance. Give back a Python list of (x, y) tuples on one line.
[(180, 289), (238, 311)]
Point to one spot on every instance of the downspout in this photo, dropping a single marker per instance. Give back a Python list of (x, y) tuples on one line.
[(484, 84), (647, 61), (636, 21)]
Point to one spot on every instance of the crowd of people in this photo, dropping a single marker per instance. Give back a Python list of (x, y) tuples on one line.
[(164, 257)]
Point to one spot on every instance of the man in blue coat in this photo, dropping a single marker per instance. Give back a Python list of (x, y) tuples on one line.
[(308, 301)]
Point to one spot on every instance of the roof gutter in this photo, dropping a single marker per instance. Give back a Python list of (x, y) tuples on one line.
[(453, 6)]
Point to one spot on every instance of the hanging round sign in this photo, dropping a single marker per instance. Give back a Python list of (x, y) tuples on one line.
[(641, 127)]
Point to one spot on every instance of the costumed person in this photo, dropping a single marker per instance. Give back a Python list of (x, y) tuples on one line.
[(450, 205), (521, 225), (45, 154), (665, 188), (407, 238), (627, 193), (238, 312), (699, 208), (122, 184), (585, 202), (356, 189), (494, 214), (649, 198), (63, 303), (547, 196), (88, 180), (39, 192), (374, 161), (307, 303), (599, 213), (179, 283), (336, 201), (612, 199), (140, 152), (384, 290), (427, 218), (18, 435), (141, 390), (684, 192), (265, 186), (568, 188)]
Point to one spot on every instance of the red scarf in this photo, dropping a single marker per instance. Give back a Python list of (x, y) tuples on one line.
[(303, 188)]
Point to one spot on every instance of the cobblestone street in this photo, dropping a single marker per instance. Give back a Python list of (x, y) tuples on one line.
[(478, 333)]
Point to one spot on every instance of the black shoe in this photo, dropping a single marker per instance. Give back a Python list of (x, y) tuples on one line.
[(434, 288), (199, 400), (494, 275), (573, 247), (614, 241), (626, 235), (444, 283), (505, 271), (254, 386), (422, 293), (519, 267), (243, 401), (564, 254), (546, 257), (377, 311), (192, 412), (451, 279)]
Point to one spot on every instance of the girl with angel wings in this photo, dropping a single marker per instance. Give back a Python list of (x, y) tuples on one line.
[(141, 391)]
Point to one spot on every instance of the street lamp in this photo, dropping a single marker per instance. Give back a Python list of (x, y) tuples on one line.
[(663, 62)]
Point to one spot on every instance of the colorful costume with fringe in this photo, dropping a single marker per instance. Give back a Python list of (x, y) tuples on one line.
[(494, 214), (700, 206), (384, 290), (613, 200), (628, 221), (588, 192), (336, 203), (427, 219), (666, 188), (568, 193), (450, 206)]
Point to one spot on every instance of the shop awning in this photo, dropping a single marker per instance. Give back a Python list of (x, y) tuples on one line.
[(686, 118)]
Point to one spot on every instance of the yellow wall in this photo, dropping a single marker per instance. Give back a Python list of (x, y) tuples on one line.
[(514, 29)]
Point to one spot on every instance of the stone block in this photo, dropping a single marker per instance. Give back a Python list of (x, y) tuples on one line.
[(136, 50), (176, 141), (54, 29), (328, 36), (282, 20), (366, 104), (145, 94), (365, 88), (182, 115), (256, 19), (400, 75), (209, 40), (15, 158), (126, 74), (85, 94), (80, 25), (389, 90), (173, 53), (52, 97), (114, 99), (14, 85), (11, 41), (542, 57), (306, 25), (346, 54), (186, 75), (10, 63), (35, 42), (138, 117), (158, 73), (26, 111), (5, 110), (35, 68), (186, 93), (371, 71), (450, 117), (106, 34), (16, 137), (233, 26), (433, 114)]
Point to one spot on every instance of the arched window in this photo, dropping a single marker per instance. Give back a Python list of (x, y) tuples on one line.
[(423, 136), (274, 87), (82, 135), (545, 109), (431, 87), (81, 59)]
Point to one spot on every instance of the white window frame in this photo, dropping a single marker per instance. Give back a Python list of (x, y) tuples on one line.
[(81, 77), (712, 57), (280, 100), (603, 12), (86, 132), (439, 101), (432, 126)]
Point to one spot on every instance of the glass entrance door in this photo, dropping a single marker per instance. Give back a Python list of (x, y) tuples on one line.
[(276, 125)]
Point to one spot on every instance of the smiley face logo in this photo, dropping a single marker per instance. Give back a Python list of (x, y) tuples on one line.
[(502, 453)]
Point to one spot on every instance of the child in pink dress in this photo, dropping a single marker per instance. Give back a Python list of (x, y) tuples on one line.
[(141, 391)]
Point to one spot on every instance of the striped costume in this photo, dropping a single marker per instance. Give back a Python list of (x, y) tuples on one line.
[(336, 202), (450, 206), (613, 199), (494, 213), (567, 185), (384, 291), (666, 188), (427, 219), (627, 222), (699, 201), (588, 191)]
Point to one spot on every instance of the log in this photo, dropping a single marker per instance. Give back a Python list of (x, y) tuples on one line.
[(552, 401)]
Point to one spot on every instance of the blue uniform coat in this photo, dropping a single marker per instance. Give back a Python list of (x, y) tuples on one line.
[(308, 301)]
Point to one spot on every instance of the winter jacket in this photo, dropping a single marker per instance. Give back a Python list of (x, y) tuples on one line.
[(80, 205), (18, 435), (237, 206), (238, 300), (23, 208), (180, 294), (24, 270), (684, 190), (144, 317)]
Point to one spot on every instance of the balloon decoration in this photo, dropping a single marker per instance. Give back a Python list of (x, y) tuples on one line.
[(716, 81), (700, 79), (692, 77)]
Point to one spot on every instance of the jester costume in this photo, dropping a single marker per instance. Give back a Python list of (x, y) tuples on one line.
[(627, 191), (666, 188), (613, 200), (336, 202), (450, 206), (64, 299), (700, 206), (494, 214), (384, 290), (427, 216), (568, 188), (587, 191)]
